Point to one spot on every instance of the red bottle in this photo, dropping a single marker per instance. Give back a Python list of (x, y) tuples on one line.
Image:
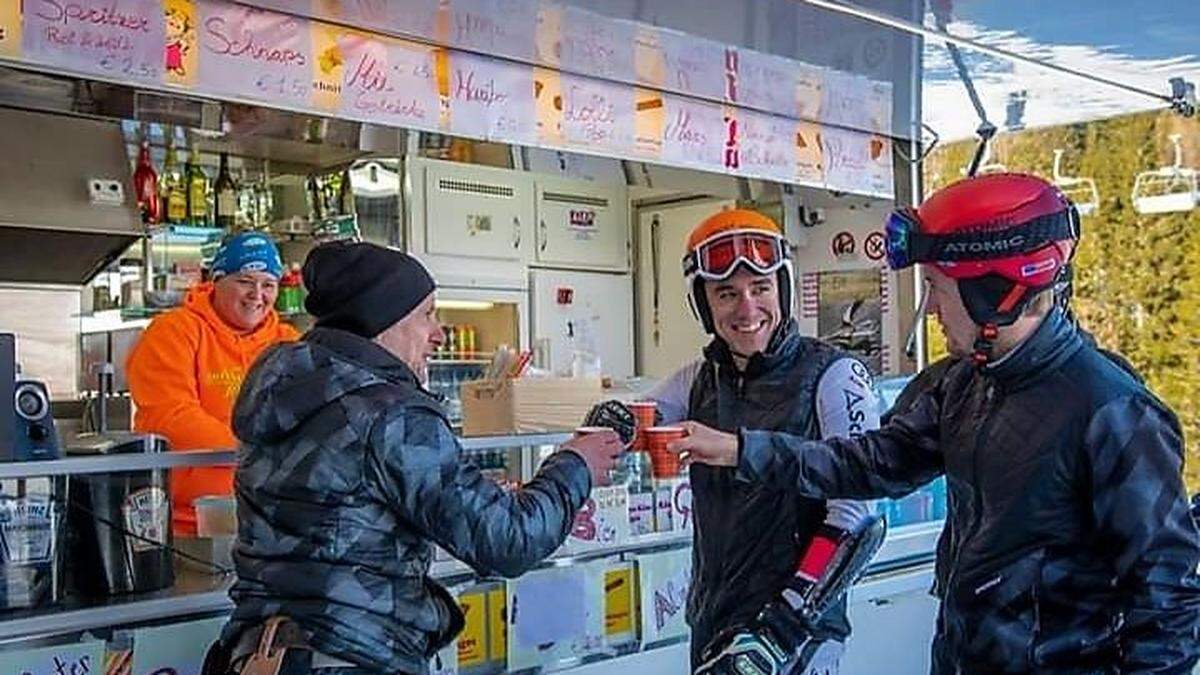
[(145, 187)]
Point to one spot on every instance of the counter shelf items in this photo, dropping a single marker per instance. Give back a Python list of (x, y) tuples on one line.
[(196, 594)]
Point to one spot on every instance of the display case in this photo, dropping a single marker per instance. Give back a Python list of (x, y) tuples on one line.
[(629, 588)]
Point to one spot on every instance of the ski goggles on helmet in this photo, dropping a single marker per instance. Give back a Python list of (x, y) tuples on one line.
[(906, 245), (719, 257)]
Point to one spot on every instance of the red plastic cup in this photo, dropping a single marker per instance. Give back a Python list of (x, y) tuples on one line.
[(643, 412), (666, 463)]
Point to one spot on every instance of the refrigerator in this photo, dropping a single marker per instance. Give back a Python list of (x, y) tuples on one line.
[(584, 312)]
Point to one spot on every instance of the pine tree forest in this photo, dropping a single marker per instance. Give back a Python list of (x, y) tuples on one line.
[(1137, 277)]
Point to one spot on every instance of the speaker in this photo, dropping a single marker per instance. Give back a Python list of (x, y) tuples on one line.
[(34, 437), (8, 383)]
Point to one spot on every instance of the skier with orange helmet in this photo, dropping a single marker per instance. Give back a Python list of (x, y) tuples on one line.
[(758, 371), (1068, 544)]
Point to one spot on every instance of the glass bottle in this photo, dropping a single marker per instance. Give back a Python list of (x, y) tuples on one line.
[(172, 189), (199, 193), (145, 187), (226, 196)]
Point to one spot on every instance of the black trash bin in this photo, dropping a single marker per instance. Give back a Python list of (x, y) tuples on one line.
[(120, 523)]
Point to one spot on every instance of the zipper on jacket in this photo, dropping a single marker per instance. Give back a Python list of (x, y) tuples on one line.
[(989, 398)]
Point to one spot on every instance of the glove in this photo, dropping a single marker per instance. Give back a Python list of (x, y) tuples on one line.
[(779, 640), (614, 415)]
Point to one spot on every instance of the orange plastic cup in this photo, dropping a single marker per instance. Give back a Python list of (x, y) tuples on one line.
[(666, 463), (643, 412)]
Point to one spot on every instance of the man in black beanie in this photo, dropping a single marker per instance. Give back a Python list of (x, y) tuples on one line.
[(349, 471)]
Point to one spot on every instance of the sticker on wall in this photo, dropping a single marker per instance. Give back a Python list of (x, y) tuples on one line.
[(556, 615), (329, 45), (10, 29), (649, 119), (810, 155), (842, 245), (182, 56), (810, 297), (548, 104), (851, 314), (472, 641), (874, 246), (663, 580), (497, 606)]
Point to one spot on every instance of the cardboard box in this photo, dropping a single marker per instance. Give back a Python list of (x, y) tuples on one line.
[(527, 405)]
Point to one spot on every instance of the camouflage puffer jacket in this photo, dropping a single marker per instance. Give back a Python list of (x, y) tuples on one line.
[(347, 474)]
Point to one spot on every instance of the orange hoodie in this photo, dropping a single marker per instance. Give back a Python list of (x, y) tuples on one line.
[(184, 376)]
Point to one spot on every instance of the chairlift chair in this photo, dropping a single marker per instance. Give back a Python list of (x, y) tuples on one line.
[(1171, 189), (1081, 191)]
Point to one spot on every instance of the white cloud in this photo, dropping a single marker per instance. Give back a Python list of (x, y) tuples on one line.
[(1053, 98)]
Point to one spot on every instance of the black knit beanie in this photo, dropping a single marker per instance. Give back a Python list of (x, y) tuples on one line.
[(363, 288)]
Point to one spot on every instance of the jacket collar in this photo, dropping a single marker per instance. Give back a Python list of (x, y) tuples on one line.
[(780, 350), (364, 353), (1054, 341)]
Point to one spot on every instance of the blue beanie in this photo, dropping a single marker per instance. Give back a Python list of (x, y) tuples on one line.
[(247, 252)]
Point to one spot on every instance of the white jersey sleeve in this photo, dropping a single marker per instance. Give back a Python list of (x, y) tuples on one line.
[(673, 393), (846, 406)]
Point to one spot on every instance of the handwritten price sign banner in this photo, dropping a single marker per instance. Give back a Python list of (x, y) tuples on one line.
[(491, 99), (857, 162), (597, 114), (767, 126), (765, 146), (119, 39), (501, 27), (765, 82), (694, 133), (388, 82), (247, 52)]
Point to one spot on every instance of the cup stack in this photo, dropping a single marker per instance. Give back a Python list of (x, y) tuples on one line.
[(643, 412)]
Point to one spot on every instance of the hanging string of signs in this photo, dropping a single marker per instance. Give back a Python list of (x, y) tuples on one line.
[(697, 103)]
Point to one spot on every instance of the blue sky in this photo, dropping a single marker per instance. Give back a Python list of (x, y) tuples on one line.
[(1143, 42)]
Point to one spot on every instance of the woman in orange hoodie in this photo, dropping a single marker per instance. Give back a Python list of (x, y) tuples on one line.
[(185, 372)]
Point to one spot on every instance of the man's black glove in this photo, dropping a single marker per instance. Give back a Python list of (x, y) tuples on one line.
[(616, 416)]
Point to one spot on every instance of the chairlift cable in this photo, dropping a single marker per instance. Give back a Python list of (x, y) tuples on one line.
[(949, 40)]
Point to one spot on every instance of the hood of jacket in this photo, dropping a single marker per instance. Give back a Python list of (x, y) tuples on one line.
[(293, 381)]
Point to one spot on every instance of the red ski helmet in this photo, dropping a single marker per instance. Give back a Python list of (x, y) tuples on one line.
[(1003, 237)]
